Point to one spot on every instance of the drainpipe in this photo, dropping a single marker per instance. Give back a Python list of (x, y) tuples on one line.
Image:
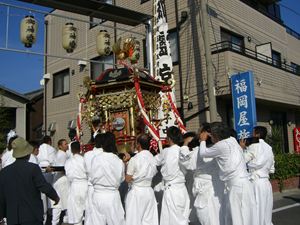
[(45, 71)]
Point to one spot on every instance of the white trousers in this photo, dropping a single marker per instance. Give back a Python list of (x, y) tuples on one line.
[(108, 209), (88, 218), (175, 208), (76, 201), (264, 200), (209, 196), (241, 204), (141, 206)]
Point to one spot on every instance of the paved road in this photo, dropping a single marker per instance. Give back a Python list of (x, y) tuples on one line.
[(286, 209)]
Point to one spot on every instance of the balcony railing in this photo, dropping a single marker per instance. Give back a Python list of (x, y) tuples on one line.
[(229, 46)]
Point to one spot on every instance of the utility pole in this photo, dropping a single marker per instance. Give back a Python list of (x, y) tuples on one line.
[(209, 67)]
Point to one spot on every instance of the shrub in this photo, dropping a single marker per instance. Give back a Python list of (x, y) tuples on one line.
[(286, 166)]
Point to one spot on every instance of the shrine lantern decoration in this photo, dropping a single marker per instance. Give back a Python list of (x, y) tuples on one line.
[(134, 54), (103, 43), (69, 39), (28, 31)]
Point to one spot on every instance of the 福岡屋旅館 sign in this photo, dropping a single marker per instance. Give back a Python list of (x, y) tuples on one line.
[(243, 101)]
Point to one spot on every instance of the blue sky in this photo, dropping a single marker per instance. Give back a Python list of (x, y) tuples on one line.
[(23, 72)]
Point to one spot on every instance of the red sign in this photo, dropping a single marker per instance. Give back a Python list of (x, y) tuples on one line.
[(297, 140)]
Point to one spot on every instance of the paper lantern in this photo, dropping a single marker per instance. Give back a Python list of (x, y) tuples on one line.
[(69, 37), (103, 43), (28, 31)]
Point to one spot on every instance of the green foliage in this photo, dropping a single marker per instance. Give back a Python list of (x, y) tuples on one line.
[(275, 139), (286, 166)]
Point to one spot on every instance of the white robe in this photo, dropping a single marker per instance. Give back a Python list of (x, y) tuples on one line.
[(208, 189), (107, 173), (88, 157), (77, 177), (46, 155), (141, 205), (176, 202), (260, 162), (240, 196), (33, 159), (61, 185), (7, 158), (46, 158)]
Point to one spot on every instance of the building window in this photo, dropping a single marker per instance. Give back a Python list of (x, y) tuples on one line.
[(295, 68), (61, 83), (268, 8), (143, 1), (276, 58), (173, 45), (232, 40), (105, 62), (96, 21)]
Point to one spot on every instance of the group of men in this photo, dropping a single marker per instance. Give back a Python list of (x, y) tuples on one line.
[(230, 181)]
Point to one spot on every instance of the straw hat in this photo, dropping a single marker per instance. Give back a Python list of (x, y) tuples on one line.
[(21, 148)]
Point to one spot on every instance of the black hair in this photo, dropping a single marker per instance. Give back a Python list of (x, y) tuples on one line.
[(99, 140), (261, 131), (75, 147), (205, 127), (175, 135), (144, 141), (60, 142), (109, 143), (219, 131), (189, 134), (96, 122), (72, 134), (34, 144), (9, 147), (47, 139)]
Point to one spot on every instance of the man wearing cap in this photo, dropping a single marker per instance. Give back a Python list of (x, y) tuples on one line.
[(21, 184)]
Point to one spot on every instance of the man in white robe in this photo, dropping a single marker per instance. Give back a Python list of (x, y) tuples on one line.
[(107, 173), (77, 177), (7, 157), (208, 189), (260, 161), (45, 159), (141, 205), (229, 156), (176, 202), (88, 157), (60, 181)]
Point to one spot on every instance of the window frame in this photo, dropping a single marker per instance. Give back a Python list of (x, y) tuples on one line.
[(100, 59), (55, 76), (101, 20), (231, 34), (275, 61), (171, 32)]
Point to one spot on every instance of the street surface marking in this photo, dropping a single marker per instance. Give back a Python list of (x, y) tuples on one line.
[(285, 207)]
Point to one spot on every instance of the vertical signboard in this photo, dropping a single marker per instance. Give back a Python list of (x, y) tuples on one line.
[(297, 140), (243, 100)]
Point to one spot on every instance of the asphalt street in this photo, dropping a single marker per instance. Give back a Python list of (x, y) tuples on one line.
[(286, 208)]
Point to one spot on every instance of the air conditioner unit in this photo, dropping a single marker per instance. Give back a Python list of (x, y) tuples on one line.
[(47, 76), (71, 124), (52, 127), (82, 63)]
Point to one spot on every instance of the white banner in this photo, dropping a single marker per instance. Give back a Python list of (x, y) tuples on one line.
[(163, 66)]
